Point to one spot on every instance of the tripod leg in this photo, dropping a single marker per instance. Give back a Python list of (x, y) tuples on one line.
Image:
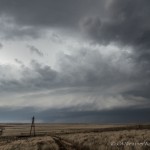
[(34, 130), (30, 130)]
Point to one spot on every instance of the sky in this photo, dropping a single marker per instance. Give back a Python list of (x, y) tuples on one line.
[(75, 61)]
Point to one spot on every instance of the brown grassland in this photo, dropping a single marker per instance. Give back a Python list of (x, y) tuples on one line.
[(75, 137)]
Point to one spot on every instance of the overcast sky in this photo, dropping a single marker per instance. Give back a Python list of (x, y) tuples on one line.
[(75, 61)]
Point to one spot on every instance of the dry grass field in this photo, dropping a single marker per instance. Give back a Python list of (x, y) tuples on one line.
[(75, 137)]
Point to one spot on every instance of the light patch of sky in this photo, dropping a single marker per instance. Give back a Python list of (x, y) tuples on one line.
[(50, 45), (77, 100), (12, 50)]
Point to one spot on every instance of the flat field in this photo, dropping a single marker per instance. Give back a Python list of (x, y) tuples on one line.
[(75, 137)]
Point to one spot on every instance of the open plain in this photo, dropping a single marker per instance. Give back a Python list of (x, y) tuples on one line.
[(75, 137)]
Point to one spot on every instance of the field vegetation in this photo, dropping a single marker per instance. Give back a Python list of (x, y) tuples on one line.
[(75, 137)]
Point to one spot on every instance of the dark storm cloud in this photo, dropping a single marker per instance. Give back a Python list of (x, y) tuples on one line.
[(26, 19), (48, 12), (126, 22), (67, 115), (35, 50), (123, 22)]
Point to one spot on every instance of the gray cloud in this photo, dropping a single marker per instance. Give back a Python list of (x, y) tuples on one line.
[(1, 45), (86, 82), (111, 76), (33, 49), (19, 62), (12, 31), (53, 12), (32, 18), (122, 75), (125, 22), (106, 21)]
